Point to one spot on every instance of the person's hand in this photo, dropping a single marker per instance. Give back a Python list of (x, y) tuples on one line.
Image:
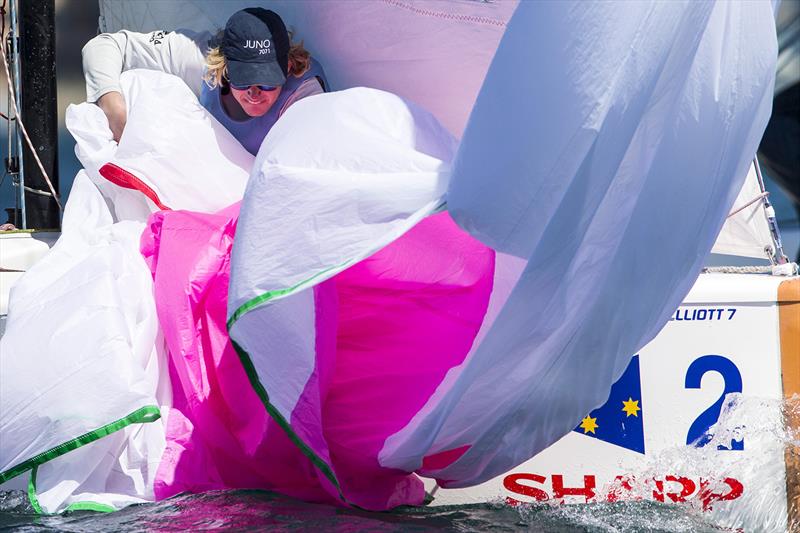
[(113, 105)]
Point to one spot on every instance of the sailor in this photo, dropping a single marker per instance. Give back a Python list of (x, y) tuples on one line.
[(249, 76)]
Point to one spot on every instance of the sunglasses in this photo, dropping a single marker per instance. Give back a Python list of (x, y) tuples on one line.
[(266, 88)]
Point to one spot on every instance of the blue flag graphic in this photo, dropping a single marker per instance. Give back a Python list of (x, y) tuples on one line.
[(619, 420)]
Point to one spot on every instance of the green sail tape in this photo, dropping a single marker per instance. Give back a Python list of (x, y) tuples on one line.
[(255, 382), (143, 415), (271, 295), (32, 491)]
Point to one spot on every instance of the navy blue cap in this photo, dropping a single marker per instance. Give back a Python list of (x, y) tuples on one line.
[(256, 47)]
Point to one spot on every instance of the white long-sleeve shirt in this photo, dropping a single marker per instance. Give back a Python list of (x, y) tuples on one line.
[(180, 52)]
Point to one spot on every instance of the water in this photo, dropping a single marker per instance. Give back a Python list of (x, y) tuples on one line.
[(256, 510)]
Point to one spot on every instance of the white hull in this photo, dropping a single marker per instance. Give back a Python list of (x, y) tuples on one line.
[(736, 334), (19, 250)]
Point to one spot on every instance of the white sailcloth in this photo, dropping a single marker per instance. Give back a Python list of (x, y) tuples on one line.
[(746, 230), (636, 128), (83, 371), (81, 355)]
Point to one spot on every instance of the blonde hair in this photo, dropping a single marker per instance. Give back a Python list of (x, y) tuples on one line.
[(217, 65)]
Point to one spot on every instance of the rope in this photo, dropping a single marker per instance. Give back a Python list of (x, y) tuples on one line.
[(739, 270), (748, 204), (2, 35), (37, 191), (17, 113), (786, 269)]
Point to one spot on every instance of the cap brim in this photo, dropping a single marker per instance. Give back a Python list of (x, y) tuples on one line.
[(241, 73)]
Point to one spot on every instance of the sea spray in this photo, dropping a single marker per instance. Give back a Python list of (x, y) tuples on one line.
[(716, 465)]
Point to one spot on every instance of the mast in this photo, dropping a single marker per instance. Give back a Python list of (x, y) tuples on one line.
[(38, 108), (778, 257)]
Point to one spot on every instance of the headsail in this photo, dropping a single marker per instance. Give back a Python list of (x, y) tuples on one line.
[(746, 231)]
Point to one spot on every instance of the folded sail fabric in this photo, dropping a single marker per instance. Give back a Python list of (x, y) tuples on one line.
[(82, 373), (339, 177), (608, 161), (172, 155), (382, 333), (84, 377), (378, 334), (576, 159), (371, 338), (373, 187)]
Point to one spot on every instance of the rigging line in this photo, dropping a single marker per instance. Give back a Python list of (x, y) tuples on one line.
[(38, 191), (754, 269), (748, 204), (9, 120), (22, 125)]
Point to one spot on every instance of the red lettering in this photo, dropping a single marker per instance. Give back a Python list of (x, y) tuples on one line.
[(559, 491), (511, 482), (707, 497), (687, 488), (673, 489), (620, 484)]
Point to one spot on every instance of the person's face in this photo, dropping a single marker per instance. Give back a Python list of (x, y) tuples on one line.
[(254, 101)]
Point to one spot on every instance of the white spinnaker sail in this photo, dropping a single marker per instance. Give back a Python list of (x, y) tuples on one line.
[(611, 167), (433, 52), (83, 369)]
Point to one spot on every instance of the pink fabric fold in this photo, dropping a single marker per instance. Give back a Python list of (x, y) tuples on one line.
[(406, 316), (218, 434), (388, 329)]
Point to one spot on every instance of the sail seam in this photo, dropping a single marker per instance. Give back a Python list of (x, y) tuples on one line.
[(266, 297), (255, 382), (127, 180), (32, 492), (443, 15), (146, 414), (269, 295), (90, 506)]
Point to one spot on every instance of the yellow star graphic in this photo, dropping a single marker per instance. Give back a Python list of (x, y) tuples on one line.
[(589, 424), (631, 407)]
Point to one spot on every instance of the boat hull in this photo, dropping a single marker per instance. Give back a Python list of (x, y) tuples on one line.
[(729, 359)]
